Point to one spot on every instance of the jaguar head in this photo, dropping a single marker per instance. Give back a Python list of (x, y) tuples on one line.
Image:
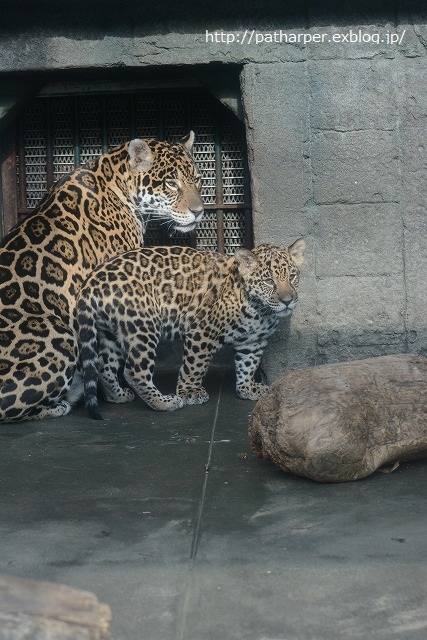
[(167, 182), (271, 275)]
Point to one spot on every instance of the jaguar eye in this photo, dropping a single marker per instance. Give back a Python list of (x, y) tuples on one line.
[(270, 282), (173, 185)]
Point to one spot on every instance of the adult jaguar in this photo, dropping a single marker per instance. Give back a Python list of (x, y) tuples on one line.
[(93, 214)]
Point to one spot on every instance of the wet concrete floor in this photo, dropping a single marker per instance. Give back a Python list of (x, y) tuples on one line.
[(171, 520)]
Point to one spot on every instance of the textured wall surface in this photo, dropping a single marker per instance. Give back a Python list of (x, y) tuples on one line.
[(343, 162), (337, 145)]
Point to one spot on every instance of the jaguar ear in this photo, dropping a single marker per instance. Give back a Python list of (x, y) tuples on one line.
[(246, 261), (140, 155), (296, 251), (188, 141)]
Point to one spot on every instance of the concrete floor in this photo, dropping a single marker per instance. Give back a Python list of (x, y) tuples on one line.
[(127, 508)]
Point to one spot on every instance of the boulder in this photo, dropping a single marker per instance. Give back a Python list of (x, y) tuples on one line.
[(47, 611), (341, 422)]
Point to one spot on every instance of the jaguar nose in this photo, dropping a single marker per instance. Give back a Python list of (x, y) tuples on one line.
[(286, 299), (285, 294), (197, 212)]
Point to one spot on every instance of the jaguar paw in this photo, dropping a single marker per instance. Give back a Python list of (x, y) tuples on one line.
[(255, 391), (194, 396), (166, 403)]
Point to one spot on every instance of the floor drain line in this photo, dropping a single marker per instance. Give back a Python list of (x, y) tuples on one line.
[(196, 536)]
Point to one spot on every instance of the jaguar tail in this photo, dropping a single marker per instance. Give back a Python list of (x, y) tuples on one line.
[(88, 350)]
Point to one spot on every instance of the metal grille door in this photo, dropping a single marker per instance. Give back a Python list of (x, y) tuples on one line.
[(58, 133)]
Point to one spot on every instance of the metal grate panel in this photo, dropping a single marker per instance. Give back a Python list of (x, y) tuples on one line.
[(153, 234), (235, 230), (204, 147), (118, 120), (233, 172), (207, 235), (146, 109), (62, 118), (34, 134), (232, 161), (58, 133), (90, 127), (175, 116)]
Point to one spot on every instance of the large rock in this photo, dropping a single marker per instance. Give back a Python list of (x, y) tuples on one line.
[(341, 422), (31, 610)]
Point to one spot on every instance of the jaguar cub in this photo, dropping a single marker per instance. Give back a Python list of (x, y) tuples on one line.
[(205, 298)]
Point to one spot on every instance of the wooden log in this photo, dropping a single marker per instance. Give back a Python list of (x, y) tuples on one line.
[(45, 611), (341, 422)]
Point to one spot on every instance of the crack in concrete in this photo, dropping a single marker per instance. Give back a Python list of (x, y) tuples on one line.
[(196, 535)]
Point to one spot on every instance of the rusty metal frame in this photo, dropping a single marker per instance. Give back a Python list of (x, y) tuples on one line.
[(8, 191)]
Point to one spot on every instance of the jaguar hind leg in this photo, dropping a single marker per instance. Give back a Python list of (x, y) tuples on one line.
[(111, 379), (138, 372), (143, 384), (61, 408), (37, 360), (111, 368)]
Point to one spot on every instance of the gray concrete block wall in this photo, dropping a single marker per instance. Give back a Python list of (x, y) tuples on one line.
[(413, 163), (337, 144), (278, 134), (356, 191)]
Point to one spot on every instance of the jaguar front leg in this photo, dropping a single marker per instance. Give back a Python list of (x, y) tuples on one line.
[(194, 368), (247, 359)]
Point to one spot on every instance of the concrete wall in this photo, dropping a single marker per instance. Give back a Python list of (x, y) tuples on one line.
[(337, 144), (342, 161)]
